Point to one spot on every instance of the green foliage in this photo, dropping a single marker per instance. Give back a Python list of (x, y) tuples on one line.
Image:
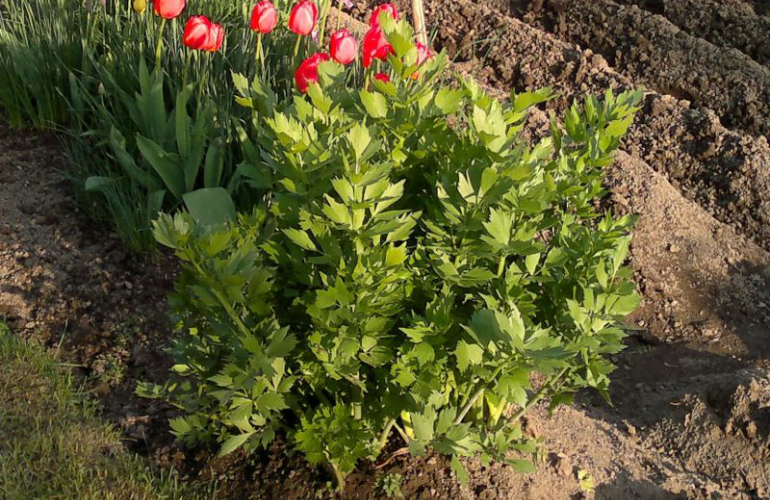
[(390, 484), (153, 134), (416, 270)]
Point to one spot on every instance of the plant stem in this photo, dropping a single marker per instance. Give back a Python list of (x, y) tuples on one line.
[(296, 47), (338, 477), (339, 14), (324, 15), (386, 432), (259, 56), (475, 397), (159, 46)]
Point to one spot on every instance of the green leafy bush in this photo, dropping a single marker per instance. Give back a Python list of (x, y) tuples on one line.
[(415, 271)]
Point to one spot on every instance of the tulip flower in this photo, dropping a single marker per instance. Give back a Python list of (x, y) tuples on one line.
[(264, 17), (386, 7), (196, 32), (169, 9), (139, 6), (423, 54), (303, 18), (307, 72), (343, 47), (215, 38), (382, 77), (375, 46)]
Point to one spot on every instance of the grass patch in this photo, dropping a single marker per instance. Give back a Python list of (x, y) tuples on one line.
[(54, 446)]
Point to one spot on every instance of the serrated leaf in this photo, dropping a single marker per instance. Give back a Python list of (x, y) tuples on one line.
[(233, 443), (468, 354), (459, 469), (301, 238), (375, 104)]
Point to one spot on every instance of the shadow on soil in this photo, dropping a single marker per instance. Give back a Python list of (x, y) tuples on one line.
[(627, 488)]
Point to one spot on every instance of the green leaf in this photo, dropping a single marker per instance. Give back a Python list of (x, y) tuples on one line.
[(212, 170), (448, 100), (300, 238), (234, 442), (395, 255), (499, 226), (468, 354), (527, 99), (422, 423), (166, 165), (523, 466), (271, 401), (459, 469), (359, 138), (210, 206), (375, 104), (531, 262)]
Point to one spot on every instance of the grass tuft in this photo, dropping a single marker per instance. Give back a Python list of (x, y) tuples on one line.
[(53, 446)]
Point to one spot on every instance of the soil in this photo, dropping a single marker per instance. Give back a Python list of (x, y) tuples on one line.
[(691, 414)]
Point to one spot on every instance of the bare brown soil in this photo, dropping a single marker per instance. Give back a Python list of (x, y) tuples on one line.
[(691, 414)]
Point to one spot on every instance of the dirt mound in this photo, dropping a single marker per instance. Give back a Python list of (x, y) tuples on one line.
[(724, 24), (652, 50)]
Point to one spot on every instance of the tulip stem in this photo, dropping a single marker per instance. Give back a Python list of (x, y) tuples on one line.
[(296, 47), (324, 15), (260, 56), (339, 14), (159, 46)]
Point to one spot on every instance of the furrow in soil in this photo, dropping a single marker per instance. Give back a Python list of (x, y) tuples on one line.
[(655, 52)]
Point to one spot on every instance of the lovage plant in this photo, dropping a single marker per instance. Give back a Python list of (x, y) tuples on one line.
[(416, 274)]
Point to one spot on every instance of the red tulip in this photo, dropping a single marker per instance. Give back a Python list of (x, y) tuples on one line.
[(386, 7), (303, 18), (343, 47), (382, 77), (376, 46), (423, 54), (215, 38), (307, 72), (264, 17), (169, 9), (196, 32)]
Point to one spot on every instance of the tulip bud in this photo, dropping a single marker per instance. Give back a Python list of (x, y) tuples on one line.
[(139, 6), (343, 47), (423, 54), (386, 7), (303, 18), (169, 9), (264, 17), (307, 72), (375, 46), (382, 77), (196, 32)]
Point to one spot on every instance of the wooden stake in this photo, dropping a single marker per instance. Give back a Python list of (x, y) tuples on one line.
[(418, 17)]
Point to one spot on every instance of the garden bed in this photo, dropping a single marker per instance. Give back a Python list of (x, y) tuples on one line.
[(691, 396)]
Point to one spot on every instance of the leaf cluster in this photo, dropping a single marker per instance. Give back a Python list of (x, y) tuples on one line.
[(416, 271)]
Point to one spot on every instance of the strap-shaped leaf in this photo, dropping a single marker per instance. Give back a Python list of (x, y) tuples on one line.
[(127, 163), (166, 165)]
